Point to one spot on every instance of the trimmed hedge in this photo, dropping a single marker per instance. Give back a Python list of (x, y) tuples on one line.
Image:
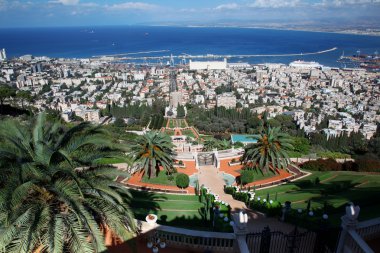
[(267, 206), (247, 176), (363, 165), (182, 180)]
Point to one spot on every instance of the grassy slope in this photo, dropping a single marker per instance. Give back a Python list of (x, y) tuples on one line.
[(162, 179), (363, 189), (180, 210), (188, 133)]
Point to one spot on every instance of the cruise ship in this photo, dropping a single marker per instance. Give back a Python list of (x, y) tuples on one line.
[(305, 64)]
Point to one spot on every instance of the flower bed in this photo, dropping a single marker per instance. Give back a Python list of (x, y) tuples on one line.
[(267, 206)]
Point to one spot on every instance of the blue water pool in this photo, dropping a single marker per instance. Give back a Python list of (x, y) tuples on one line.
[(193, 180), (228, 178), (243, 138)]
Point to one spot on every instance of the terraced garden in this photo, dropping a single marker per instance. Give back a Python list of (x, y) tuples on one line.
[(189, 133), (335, 189), (173, 123), (258, 175), (173, 210), (161, 179)]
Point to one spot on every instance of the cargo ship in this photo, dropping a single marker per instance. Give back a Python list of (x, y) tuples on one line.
[(359, 60)]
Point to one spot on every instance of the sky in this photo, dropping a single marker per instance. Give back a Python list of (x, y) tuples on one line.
[(37, 13)]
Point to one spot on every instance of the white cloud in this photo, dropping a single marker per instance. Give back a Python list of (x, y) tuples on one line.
[(90, 4), (65, 2), (132, 6), (342, 3), (274, 3), (231, 6), (3, 5)]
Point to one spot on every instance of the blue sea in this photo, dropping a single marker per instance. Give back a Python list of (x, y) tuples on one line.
[(84, 42)]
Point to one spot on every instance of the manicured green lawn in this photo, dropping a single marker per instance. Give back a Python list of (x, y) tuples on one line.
[(260, 176), (335, 189), (111, 160), (182, 123), (188, 133), (162, 179), (176, 210), (169, 132), (173, 210), (172, 123)]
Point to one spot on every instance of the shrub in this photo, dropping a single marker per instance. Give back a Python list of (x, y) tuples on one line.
[(322, 165), (368, 165), (270, 209), (170, 177), (350, 166), (247, 176), (333, 155), (311, 165), (119, 122), (229, 190), (180, 162), (182, 180), (233, 160)]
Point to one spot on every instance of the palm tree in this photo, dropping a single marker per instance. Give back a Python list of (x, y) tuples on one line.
[(152, 150), (270, 151), (224, 144), (210, 144), (53, 195)]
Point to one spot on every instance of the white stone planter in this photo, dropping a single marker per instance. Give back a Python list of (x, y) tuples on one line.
[(234, 163), (151, 218)]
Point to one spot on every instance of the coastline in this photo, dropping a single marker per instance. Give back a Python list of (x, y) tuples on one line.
[(347, 32), (279, 29)]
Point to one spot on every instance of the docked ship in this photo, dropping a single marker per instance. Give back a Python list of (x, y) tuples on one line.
[(305, 64), (359, 60)]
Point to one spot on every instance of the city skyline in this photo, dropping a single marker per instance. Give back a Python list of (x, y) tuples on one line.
[(37, 13)]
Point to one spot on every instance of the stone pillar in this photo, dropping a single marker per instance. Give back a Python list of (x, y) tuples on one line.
[(195, 156), (241, 230), (216, 158), (349, 222)]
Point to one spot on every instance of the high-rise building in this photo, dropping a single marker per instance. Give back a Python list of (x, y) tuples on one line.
[(3, 55)]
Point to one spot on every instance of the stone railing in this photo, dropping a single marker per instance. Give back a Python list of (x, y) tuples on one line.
[(369, 230), (192, 239), (355, 243), (303, 160), (354, 234)]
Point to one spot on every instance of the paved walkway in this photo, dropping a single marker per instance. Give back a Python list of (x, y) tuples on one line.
[(210, 177)]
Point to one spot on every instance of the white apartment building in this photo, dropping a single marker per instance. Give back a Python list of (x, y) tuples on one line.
[(208, 65), (3, 55), (228, 100)]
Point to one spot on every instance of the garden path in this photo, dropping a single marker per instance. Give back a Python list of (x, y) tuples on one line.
[(211, 177)]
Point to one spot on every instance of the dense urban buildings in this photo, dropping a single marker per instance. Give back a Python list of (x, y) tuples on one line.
[(308, 92)]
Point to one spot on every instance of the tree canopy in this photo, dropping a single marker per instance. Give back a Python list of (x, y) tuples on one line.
[(270, 151), (54, 196)]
